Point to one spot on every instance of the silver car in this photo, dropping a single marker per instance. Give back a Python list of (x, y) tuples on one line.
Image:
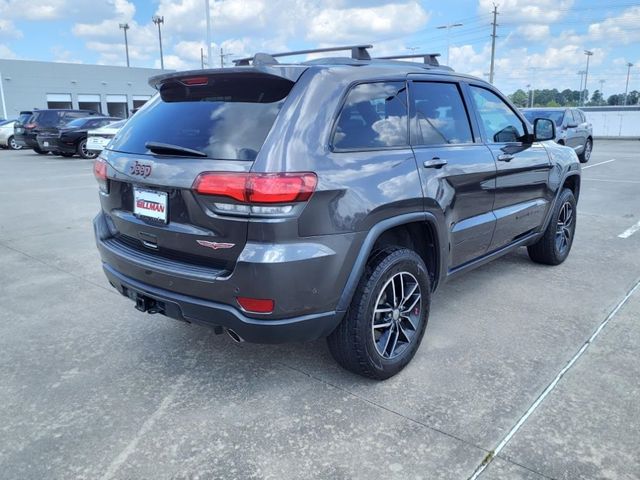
[(572, 128)]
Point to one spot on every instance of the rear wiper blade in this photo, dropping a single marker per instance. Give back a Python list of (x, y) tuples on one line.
[(168, 149)]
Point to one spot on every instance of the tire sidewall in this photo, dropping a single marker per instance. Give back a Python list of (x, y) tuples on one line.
[(11, 143), (81, 144), (565, 196), (411, 263)]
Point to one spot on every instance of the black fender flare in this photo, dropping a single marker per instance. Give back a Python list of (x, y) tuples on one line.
[(570, 173), (367, 246)]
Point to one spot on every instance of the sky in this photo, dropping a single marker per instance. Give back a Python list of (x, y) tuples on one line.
[(539, 43)]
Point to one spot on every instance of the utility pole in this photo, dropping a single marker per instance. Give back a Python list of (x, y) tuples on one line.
[(493, 42), (449, 26), (588, 53), (202, 58), (159, 20), (602, 90), (208, 15), (626, 89), (125, 27), (222, 57), (581, 73)]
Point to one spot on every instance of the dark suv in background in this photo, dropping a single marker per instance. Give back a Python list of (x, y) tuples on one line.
[(71, 138), (48, 120), (572, 128), (288, 202)]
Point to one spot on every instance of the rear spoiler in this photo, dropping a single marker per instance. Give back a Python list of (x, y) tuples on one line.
[(288, 72)]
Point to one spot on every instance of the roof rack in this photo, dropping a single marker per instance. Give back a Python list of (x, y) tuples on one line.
[(429, 58), (358, 52)]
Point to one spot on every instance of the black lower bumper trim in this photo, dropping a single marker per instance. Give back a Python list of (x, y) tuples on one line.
[(191, 309)]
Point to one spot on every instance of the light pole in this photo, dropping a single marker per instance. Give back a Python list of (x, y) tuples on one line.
[(158, 20), (449, 26), (588, 53), (602, 82), (626, 89), (125, 27)]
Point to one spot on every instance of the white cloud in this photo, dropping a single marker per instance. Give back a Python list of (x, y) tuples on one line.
[(622, 29), (535, 32), (541, 11), (363, 24)]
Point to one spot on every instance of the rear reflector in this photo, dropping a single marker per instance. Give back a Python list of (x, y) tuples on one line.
[(258, 187), (256, 305)]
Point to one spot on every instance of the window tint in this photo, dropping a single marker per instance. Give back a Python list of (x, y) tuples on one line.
[(373, 116), (228, 120), (579, 116), (572, 118), (77, 123), (441, 115), (500, 123)]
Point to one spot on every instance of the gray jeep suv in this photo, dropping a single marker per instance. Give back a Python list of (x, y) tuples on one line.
[(288, 202), (572, 128)]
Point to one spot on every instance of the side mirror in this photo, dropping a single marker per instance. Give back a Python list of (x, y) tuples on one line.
[(544, 129)]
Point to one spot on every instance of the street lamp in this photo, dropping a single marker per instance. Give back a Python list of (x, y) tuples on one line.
[(602, 82), (125, 27), (449, 26), (159, 20), (626, 89), (588, 53), (581, 73)]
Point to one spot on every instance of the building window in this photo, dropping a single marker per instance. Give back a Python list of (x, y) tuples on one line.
[(90, 102), (59, 100), (139, 101), (117, 106)]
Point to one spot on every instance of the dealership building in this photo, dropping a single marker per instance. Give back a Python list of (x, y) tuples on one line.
[(114, 91)]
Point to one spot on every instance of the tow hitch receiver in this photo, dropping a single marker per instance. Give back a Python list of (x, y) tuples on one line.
[(146, 304)]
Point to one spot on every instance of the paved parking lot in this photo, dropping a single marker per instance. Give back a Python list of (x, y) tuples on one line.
[(91, 388)]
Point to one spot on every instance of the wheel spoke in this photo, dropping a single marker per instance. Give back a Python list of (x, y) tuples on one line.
[(383, 310), (382, 325), (386, 343), (395, 342), (405, 334), (405, 299), (408, 318), (415, 302)]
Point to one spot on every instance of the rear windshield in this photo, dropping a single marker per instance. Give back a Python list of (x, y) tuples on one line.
[(228, 119), (556, 115), (46, 118), (78, 122)]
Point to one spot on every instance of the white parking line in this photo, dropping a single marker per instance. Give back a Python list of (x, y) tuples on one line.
[(630, 231), (610, 180), (494, 453), (601, 163)]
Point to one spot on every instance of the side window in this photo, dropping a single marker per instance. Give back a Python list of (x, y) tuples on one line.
[(441, 116), (571, 118), (577, 114), (373, 116), (500, 123)]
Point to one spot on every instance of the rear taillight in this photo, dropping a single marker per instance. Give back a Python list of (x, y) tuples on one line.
[(100, 172), (29, 125), (258, 188)]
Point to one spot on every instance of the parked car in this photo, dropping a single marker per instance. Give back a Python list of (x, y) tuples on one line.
[(42, 121), (572, 128), (7, 135), (289, 202), (23, 117), (71, 139), (99, 138)]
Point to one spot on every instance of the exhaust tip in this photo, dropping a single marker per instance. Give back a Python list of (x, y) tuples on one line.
[(234, 336)]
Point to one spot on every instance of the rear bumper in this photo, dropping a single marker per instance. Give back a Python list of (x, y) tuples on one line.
[(305, 281), (28, 141), (191, 309), (55, 145)]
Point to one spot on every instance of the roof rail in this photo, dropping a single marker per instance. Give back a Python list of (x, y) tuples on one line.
[(429, 58), (358, 52)]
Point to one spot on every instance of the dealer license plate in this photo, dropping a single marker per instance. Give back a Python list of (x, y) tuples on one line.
[(150, 204)]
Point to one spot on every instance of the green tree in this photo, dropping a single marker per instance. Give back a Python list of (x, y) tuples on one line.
[(596, 98), (615, 99), (520, 98), (633, 98)]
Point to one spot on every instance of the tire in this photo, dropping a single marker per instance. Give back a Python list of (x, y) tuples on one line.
[(586, 151), (38, 151), (66, 154), (83, 152), (554, 246), (12, 144), (380, 352)]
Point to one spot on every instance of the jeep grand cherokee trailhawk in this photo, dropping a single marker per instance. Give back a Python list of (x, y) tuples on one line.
[(330, 198)]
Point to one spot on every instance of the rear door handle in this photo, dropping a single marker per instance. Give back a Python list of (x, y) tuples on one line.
[(435, 162), (505, 157)]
